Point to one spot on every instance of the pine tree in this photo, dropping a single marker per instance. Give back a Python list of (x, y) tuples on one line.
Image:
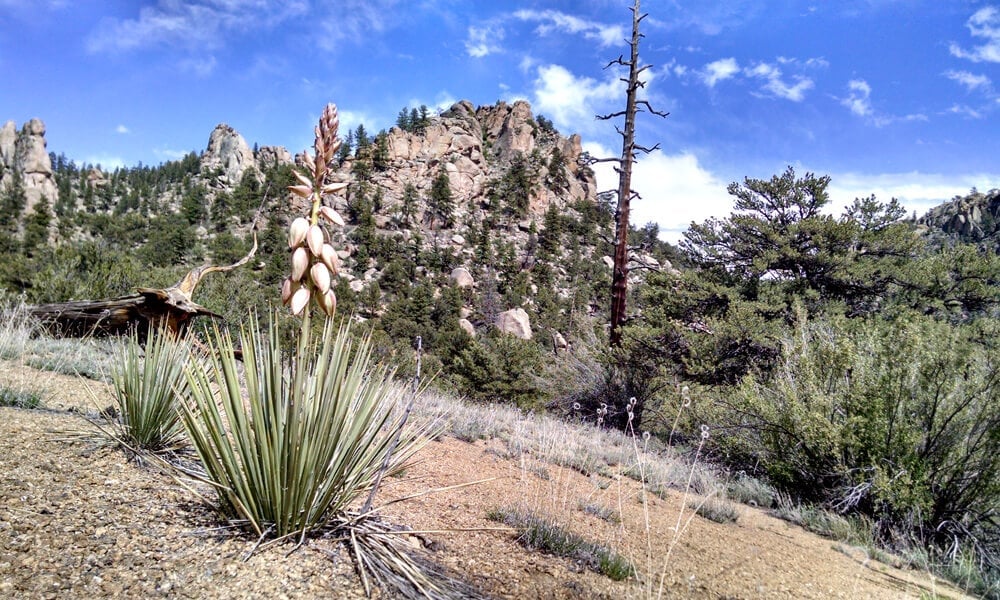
[(441, 203), (361, 140), (12, 202), (36, 227), (403, 119), (346, 146), (380, 154), (408, 205)]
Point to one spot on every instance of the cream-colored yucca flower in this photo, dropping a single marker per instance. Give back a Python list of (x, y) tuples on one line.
[(314, 262)]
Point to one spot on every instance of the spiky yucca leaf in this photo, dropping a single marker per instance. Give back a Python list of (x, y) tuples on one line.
[(146, 391), (309, 436)]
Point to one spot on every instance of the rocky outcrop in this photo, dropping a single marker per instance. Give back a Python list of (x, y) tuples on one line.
[(467, 327), (517, 133), (8, 139), (271, 156), (23, 154), (475, 146), (974, 218), (227, 153), (515, 322)]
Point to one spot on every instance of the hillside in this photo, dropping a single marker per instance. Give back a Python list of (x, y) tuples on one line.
[(75, 521)]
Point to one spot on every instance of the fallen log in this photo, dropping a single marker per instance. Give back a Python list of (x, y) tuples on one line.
[(170, 308)]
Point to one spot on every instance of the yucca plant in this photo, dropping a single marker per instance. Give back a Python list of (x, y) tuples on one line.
[(292, 445), (308, 438), (148, 384)]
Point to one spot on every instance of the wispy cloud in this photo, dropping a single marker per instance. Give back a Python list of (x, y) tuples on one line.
[(776, 86), (916, 191), (965, 111), (170, 154), (483, 41), (107, 162), (356, 21), (858, 101), (572, 102), (122, 129), (189, 24), (719, 70), (984, 24), (202, 66), (969, 80), (550, 20)]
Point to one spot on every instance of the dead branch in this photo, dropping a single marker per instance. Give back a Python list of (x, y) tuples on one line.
[(171, 308)]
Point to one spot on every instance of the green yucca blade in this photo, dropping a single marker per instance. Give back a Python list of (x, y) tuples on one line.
[(146, 391), (303, 436)]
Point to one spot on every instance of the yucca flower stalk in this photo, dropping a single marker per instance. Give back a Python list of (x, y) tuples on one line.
[(314, 261)]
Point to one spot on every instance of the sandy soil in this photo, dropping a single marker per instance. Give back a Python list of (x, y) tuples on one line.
[(77, 522)]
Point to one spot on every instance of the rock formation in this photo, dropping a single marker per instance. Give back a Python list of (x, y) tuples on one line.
[(229, 153), (974, 218), (461, 277), (23, 154)]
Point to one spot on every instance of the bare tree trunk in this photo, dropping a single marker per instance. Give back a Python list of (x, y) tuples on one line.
[(619, 279)]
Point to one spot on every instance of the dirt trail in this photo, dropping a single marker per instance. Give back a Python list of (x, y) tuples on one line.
[(78, 523)]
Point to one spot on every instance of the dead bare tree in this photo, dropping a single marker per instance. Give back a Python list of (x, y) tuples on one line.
[(623, 166)]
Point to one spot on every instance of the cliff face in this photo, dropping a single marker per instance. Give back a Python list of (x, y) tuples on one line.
[(476, 145)]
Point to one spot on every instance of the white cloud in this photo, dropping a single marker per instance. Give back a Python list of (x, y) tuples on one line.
[(200, 66), (774, 84), (719, 70), (917, 192), (356, 21), (571, 102), (122, 129), (106, 162), (675, 190), (858, 100), (985, 24), (483, 41), (968, 111), (350, 119), (604, 35), (169, 154), (969, 80)]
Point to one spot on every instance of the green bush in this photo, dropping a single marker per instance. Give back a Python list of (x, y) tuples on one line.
[(894, 418)]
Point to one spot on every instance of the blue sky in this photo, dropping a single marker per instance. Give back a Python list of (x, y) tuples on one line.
[(900, 98)]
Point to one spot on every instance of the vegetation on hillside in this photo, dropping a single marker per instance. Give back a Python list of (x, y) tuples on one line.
[(849, 360)]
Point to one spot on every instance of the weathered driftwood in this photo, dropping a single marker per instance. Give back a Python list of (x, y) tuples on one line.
[(171, 308)]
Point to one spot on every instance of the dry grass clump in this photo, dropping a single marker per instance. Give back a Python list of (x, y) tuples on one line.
[(719, 510), (22, 339), (539, 533)]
